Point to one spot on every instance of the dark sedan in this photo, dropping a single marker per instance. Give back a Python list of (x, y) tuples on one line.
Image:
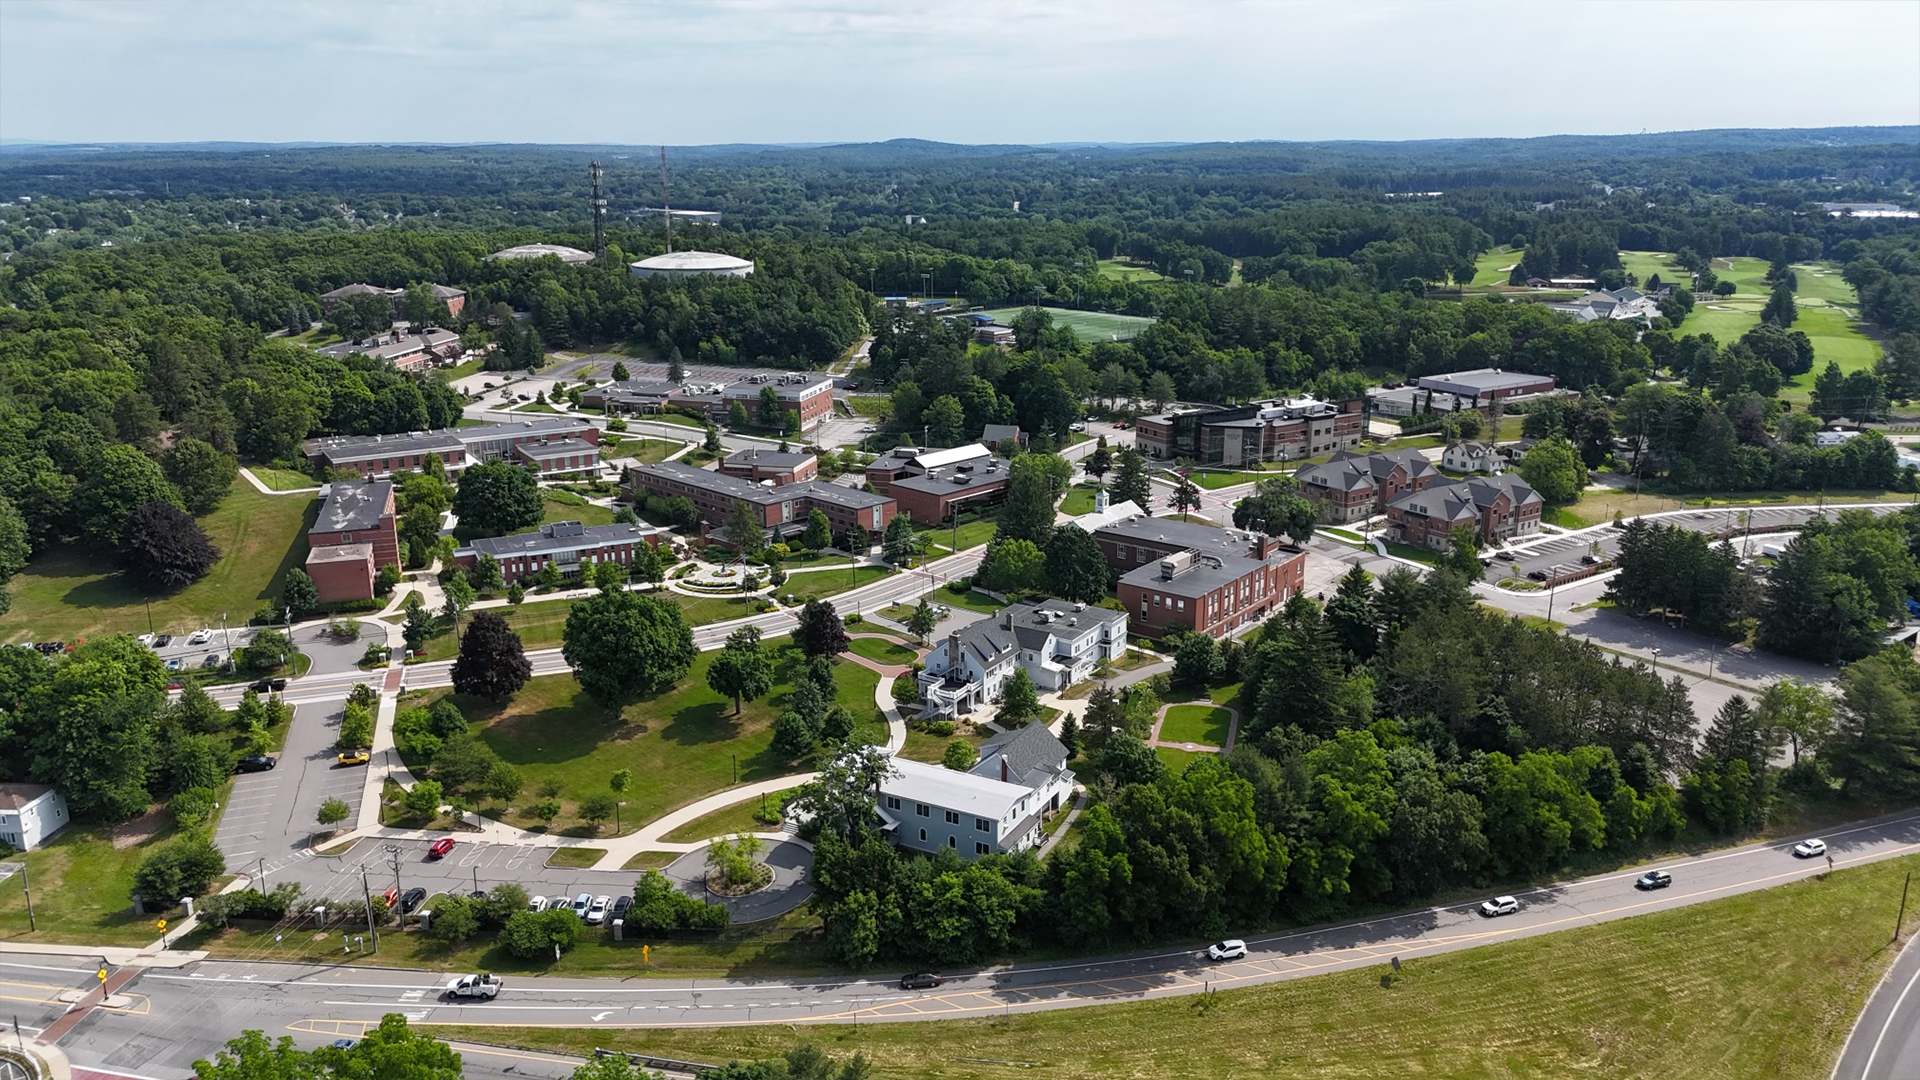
[(920, 980), (255, 763), (412, 899)]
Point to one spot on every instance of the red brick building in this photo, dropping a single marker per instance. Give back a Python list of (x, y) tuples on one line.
[(383, 455), (931, 484), (568, 545), (783, 510), (352, 537), (771, 465), (1497, 508), (1353, 487), (1178, 575), (1282, 429), (558, 457), (809, 395)]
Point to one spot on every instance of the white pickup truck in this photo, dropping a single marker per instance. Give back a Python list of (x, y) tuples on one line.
[(483, 986)]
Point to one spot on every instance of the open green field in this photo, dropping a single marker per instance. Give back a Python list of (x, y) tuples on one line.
[(932, 749), (881, 651), (1681, 993), (681, 745), (819, 583), (1087, 325), (81, 882), (282, 479), (70, 591), (1125, 270), (970, 535), (538, 622), (1176, 761), (644, 449), (1078, 500), (1599, 507), (701, 610), (567, 506), (1196, 724), (974, 600)]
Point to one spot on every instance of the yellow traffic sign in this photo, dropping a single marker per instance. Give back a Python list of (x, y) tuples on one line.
[(162, 924), (102, 973)]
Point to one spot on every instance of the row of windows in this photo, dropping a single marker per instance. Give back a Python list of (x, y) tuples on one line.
[(953, 816), (979, 848)]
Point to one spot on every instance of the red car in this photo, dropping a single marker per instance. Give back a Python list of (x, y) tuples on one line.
[(391, 896), (440, 847)]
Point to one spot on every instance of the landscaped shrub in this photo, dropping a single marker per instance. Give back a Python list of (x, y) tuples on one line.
[(658, 907), (533, 934), (185, 867), (855, 619)]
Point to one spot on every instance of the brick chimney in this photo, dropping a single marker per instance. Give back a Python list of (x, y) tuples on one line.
[(953, 650)]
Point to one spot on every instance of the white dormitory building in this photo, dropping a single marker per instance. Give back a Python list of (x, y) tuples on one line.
[(995, 808), (1058, 644), (29, 813)]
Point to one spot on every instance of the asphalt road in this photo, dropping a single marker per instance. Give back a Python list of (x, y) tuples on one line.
[(1885, 1044), (179, 1015)]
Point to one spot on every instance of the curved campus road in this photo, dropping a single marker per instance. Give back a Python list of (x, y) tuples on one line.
[(1886, 1039), (177, 1015)]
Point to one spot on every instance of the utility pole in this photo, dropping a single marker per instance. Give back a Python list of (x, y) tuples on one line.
[(1903, 906), (393, 855), (260, 883), (366, 894), (26, 886), (599, 206)]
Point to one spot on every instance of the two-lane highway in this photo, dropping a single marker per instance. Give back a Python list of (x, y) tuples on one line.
[(194, 1010)]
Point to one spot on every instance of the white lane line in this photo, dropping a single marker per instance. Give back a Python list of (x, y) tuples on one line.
[(44, 967), (1867, 1069), (488, 1007)]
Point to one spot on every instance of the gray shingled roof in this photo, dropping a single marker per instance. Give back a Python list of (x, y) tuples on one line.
[(1026, 749), (354, 507)]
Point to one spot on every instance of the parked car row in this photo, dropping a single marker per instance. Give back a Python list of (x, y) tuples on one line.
[(590, 909)]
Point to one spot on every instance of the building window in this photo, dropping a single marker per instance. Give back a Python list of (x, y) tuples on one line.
[(921, 810), (953, 817), (923, 836), (980, 848), (346, 538), (952, 843), (982, 824), (893, 802)]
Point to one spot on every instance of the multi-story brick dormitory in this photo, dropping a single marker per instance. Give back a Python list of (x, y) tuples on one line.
[(1497, 508), (568, 545), (783, 509), (932, 484), (353, 536), (1353, 487), (1282, 429), (1179, 575), (384, 455)]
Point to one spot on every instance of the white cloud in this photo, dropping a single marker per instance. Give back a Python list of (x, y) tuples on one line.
[(992, 71)]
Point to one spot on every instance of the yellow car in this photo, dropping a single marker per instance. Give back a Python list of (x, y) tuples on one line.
[(355, 757)]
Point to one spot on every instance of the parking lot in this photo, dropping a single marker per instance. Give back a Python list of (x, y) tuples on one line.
[(1540, 555), (272, 815)]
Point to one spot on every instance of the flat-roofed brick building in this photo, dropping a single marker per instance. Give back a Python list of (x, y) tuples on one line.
[(1176, 575), (568, 545), (353, 536), (783, 509), (756, 464), (1280, 429), (931, 484), (458, 447)]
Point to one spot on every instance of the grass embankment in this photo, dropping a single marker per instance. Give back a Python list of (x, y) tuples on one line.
[(728, 820), (970, 535), (81, 882), (682, 745), (1124, 270), (822, 583), (932, 749), (568, 506), (1673, 993), (637, 447), (1599, 507), (69, 591)]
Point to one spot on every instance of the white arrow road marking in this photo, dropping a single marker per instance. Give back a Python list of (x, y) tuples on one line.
[(601, 1016)]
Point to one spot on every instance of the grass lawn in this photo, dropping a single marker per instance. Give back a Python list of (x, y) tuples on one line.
[(701, 610), (1493, 267), (812, 586), (1176, 761), (1196, 724), (1672, 993), (641, 448), (867, 405), (971, 535), (1079, 500), (1124, 270), (973, 600), (1417, 554), (576, 856), (539, 624), (727, 821), (69, 591), (883, 652), (567, 506), (932, 749), (1598, 507), (282, 479), (80, 884), (1089, 326), (682, 744), (537, 406), (674, 418), (650, 860), (1214, 481)]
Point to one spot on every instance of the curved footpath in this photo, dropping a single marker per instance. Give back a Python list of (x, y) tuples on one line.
[(1886, 1038), (179, 1014)]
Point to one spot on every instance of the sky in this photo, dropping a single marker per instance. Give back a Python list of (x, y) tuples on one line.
[(981, 71)]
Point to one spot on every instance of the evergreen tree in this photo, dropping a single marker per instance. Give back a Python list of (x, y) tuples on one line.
[(620, 372), (1780, 310), (1029, 510), (676, 368), (1351, 615), (1185, 497), (1076, 570), (1130, 483), (902, 545)]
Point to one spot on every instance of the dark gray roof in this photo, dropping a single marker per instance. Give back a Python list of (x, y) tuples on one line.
[(958, 479), (356, 289), (559, 536), (552, 448), (1183, 534), (362, 447), (1205, 575), (1026, 749), (348, 506), (1348, 470), (1481, 380), (1346, 475), (1462, 500), (994, 434), (767, 459), (837, 494), (730, 486)]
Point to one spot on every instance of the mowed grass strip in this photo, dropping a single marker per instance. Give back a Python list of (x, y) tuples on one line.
[(1764, 984), (820, 583), (81, 885), (71, 590), (727, 821), (881, 651), (1196, 724), (282, 479)]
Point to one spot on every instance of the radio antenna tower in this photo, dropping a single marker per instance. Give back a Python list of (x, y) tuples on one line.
[(666, 207), (599, 214)]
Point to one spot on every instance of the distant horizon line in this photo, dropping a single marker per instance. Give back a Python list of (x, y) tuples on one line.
[(15, 143)]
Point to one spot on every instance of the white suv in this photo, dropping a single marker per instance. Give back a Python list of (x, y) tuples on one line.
[(1230, 949), (1499, 905), (201, 636), (597, 913)]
